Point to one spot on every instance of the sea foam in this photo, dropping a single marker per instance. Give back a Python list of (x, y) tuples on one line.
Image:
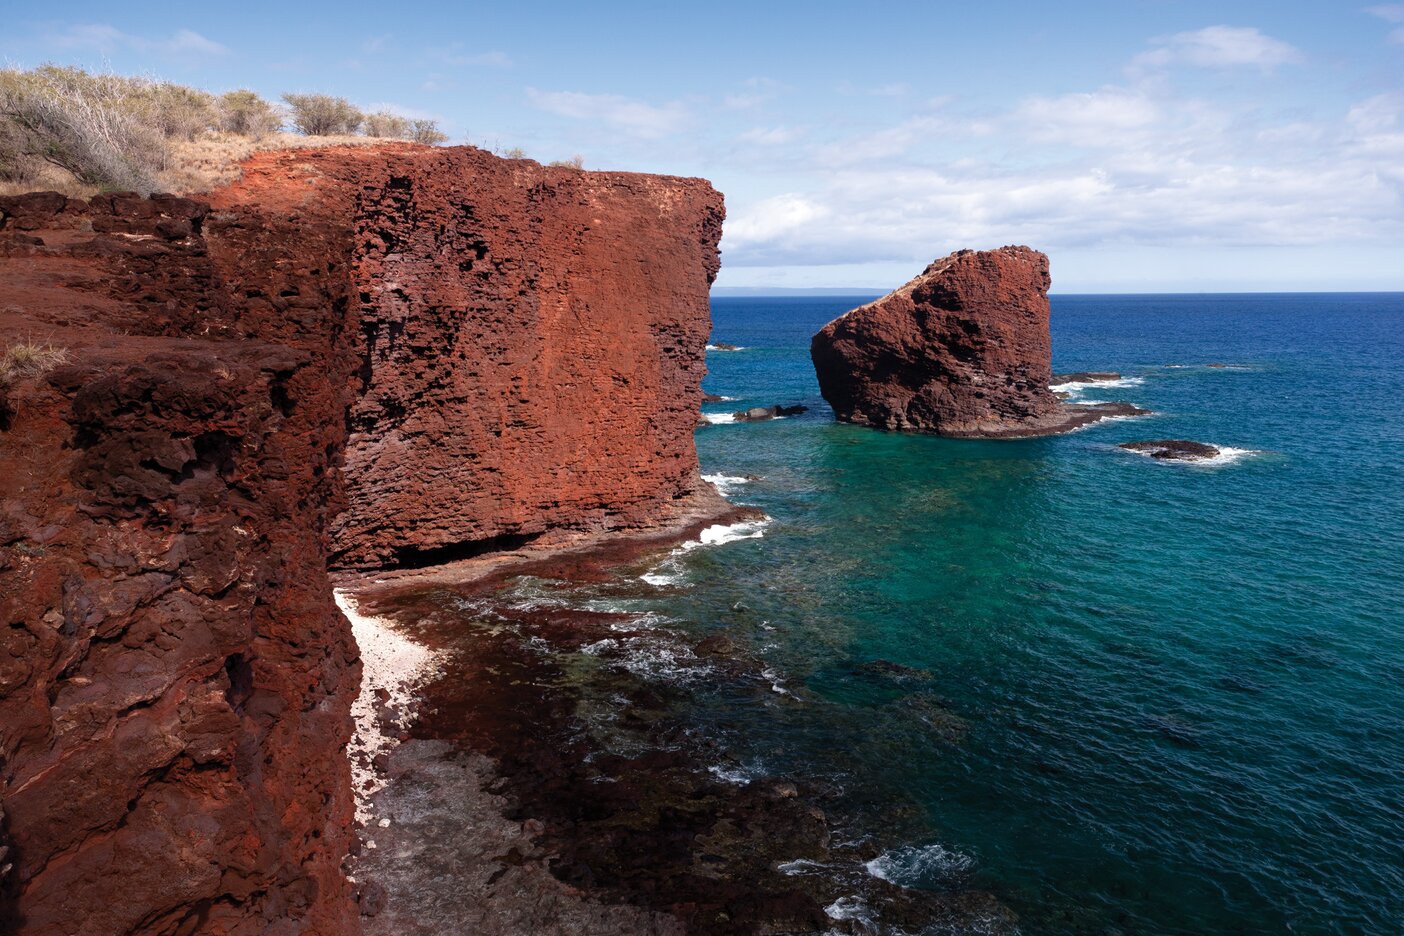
[(913, 866), (725, 484), (1228, 455), (1077, 387), (719, 533)]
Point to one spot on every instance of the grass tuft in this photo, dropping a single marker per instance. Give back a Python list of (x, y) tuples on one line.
[(29, 359)]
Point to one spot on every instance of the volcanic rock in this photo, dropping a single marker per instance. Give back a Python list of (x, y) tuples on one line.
[(1085, 377), (369, 355), (762, 413), (1173, 449), (962, 350)]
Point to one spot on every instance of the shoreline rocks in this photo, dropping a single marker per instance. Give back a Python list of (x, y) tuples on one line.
[(1085, 377)]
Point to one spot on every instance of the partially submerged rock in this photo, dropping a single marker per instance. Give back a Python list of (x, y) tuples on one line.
[(1173, 449), (762, 413), (963, 350), (1085, 377)]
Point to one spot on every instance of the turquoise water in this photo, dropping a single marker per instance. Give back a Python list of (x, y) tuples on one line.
[(1156, 698)]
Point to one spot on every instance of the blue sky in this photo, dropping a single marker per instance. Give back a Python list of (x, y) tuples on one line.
[(1145, 145)]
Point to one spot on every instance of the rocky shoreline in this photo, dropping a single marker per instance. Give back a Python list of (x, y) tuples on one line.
[(542, 787)]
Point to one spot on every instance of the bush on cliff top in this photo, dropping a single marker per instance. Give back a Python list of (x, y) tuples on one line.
[(91, 126), (68, 129), (323, 114)]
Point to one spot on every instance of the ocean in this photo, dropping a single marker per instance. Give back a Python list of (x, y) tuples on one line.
[(1118, 694)]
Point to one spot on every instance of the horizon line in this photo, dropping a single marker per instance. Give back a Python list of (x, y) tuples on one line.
[(759, 291)]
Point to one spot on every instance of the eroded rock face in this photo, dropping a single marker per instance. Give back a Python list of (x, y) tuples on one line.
[(174, 680), (464, 349), (962, 350), (531, 346)]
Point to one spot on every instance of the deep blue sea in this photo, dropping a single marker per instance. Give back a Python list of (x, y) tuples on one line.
[(1124, 696), (1162, 698)]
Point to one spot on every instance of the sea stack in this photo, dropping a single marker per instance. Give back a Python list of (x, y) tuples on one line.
[(962, 350)]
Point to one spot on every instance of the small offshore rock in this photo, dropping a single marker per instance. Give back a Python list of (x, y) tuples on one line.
[(1086, 377), (1173, 449), (715, 645), (761, 413)]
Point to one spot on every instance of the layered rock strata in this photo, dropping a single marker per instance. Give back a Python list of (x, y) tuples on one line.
[(962, 350), (367, 356)]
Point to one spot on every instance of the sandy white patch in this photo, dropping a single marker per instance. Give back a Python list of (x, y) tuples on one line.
[(389, 661)]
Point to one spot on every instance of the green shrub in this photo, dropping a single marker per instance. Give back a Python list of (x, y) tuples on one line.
[(176, 111), (323, 115), (574, 162), (383, 124), (426, 132), (244, 113)]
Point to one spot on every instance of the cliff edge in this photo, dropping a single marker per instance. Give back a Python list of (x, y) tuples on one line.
[(367, 357)]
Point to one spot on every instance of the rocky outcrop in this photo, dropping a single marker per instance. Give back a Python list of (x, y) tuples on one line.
[(962, 350), (531, 346), (1173, 449), (1085, 377), (372, 356), (174, 681), (762, 413)]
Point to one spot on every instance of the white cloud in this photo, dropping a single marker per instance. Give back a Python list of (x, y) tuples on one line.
[(1093, 118), (772, 217), (1139, 171), (757, 92), (1218, 47), (627, 114), (106, 38), (458, 55), (890, 142), (1389, 12), (896, 89), (771, 136)]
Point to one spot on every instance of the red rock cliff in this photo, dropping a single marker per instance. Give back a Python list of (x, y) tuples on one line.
[(962, 350), (531, 345), (391, 355)]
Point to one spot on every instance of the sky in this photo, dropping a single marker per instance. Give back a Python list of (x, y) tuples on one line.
[(1144, 145)]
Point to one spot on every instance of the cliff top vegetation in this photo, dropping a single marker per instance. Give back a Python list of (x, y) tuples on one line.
[(80, 132)]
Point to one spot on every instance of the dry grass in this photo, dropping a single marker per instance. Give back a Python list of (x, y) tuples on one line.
[(29, 359), (213, 161), (68, 130), (194, 166)]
